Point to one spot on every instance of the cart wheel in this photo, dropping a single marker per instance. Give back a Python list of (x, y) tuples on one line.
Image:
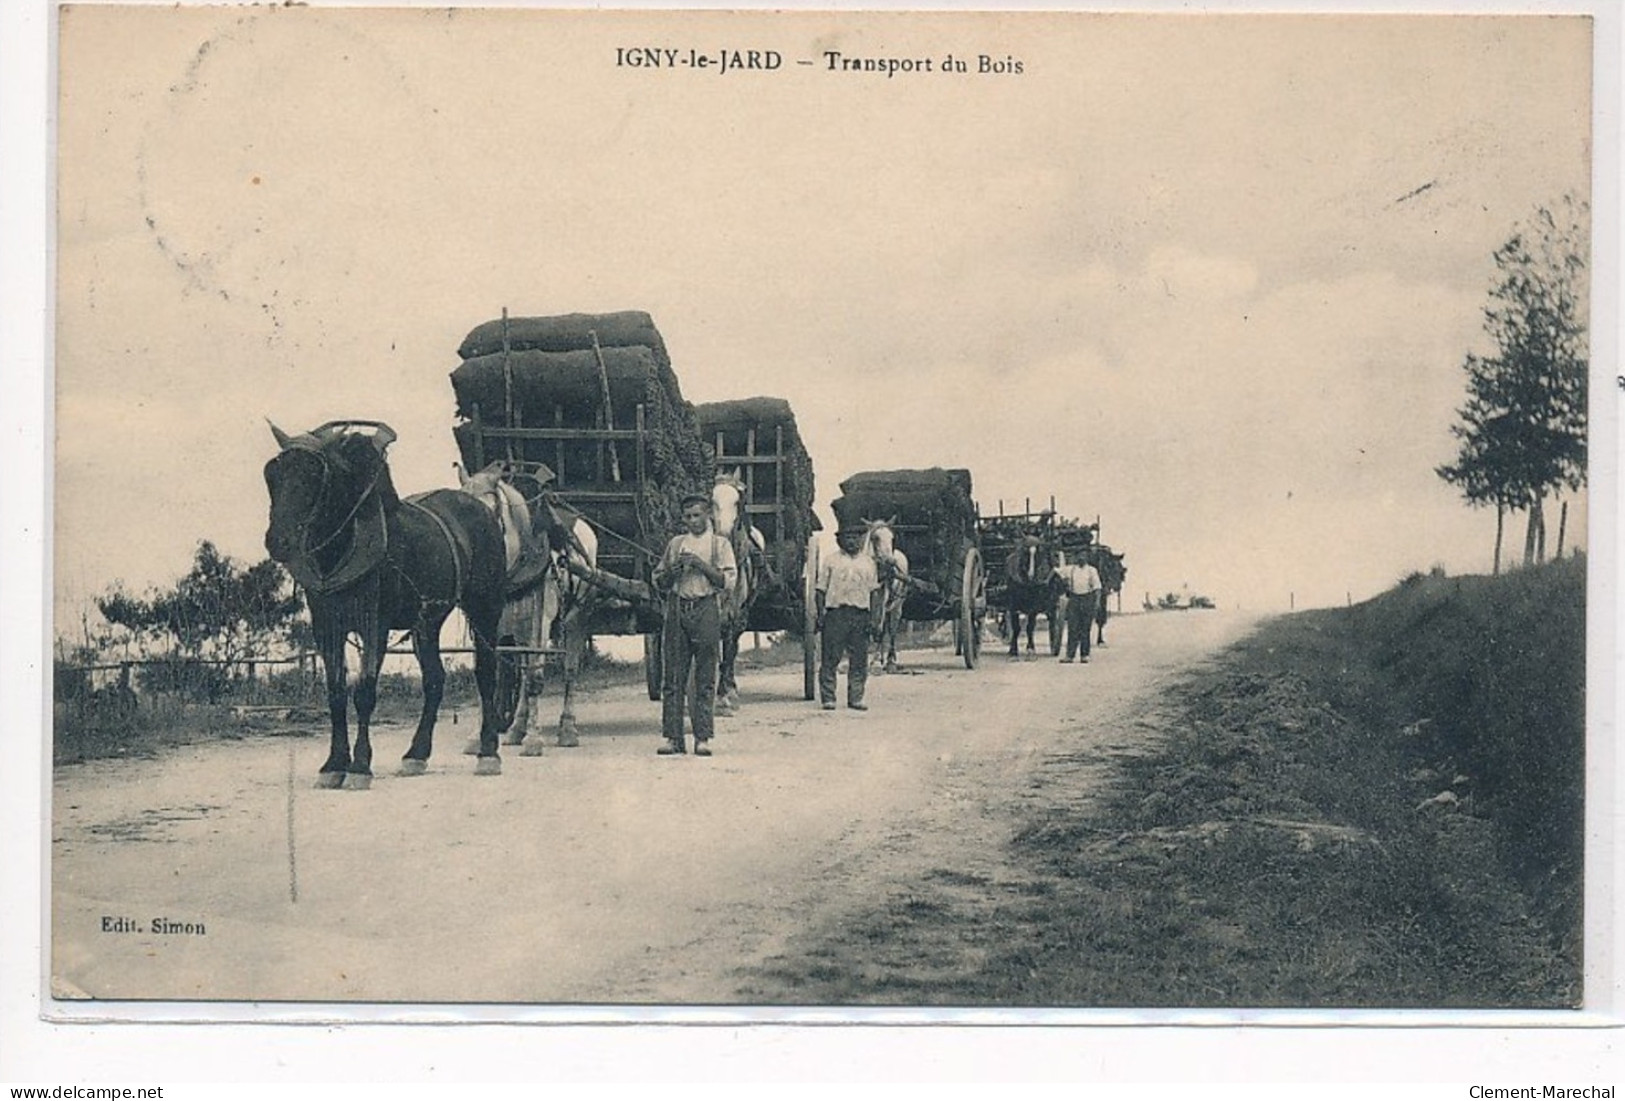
[(809, 622), (653, 669), (972, 606), (1057, 622)]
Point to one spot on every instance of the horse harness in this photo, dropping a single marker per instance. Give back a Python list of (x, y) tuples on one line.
[(369, 545), (458, 560)]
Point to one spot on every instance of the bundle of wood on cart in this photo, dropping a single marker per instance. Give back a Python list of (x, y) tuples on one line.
[(1006, 532), (585, 371), (931, 512), (1074, 538), (758, 438)]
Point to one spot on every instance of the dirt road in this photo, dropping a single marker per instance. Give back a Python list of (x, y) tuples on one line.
[(602, 874)]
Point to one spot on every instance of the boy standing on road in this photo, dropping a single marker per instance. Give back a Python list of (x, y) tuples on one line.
[(1080, 587), (696, 567), (849, 605)]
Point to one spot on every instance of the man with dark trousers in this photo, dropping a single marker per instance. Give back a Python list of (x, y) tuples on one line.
[(697, 566), (849, 605), (1079, 583)]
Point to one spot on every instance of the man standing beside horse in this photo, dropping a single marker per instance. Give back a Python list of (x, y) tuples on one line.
[(849, 608), (1079, 583), (696, 568)]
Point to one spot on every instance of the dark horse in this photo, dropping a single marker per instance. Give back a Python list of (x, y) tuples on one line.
[(1112, 572), (1027, 588), (371, 563)]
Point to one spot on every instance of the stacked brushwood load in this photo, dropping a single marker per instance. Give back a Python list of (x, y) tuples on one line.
[(766, 427), (934, 518), (552, 372), (1074, 538)]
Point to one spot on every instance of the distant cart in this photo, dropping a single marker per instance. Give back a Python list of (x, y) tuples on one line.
[(934, 520), (757, 437), (1000, 536)]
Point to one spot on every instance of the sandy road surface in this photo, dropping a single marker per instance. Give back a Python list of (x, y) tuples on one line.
[(602, 874)]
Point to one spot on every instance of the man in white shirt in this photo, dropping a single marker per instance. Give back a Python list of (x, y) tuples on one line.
[(848, 596), (1080, 586), (696, 567)]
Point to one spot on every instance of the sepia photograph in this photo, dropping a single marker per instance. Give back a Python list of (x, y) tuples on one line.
[(576, 515)]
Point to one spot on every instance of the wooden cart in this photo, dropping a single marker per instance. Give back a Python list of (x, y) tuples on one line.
[(934, 520), (757, 437)]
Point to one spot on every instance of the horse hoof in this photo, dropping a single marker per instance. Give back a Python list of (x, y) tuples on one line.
[(512, 737), (471, 747), (327, 781), (412, 767), (568, 740), (532, 749), (488, 766), (358, 781)]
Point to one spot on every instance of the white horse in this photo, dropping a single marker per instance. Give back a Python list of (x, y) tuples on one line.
[(491, 488), (575, 553), (541, 599), (892, 565), (730, 520)]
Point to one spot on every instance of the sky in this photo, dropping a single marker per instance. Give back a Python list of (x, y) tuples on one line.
[(1210, 279)]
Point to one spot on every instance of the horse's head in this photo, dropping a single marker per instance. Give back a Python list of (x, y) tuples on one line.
[(881, 540), (486, 484), (318, 482), (1111, 569), (727, 501), (1032, 562)]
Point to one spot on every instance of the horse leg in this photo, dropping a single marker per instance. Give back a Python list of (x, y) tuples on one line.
[(524, 717), (1100, 623), (1012, 627), (426, 646), (519, 725), (727, 700), (338, 755), (1032, 622), (510, 682), (484, 628), (366, 698), (575, 646)]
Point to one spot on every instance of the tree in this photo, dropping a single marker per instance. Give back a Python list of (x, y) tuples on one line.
[(1523, 428), (217, 610)]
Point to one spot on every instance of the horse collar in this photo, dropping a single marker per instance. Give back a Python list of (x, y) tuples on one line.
[(368, 546)]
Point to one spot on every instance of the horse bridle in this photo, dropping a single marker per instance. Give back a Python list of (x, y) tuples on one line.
[(321, 497)]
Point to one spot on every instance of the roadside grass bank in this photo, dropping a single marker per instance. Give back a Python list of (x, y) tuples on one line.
[(1369, 807)]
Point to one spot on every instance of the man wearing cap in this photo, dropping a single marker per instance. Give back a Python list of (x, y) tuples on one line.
[(1080, 588), (849, 605), (696, 567)]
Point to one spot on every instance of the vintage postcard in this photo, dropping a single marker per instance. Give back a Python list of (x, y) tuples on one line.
[(1049, 515)]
